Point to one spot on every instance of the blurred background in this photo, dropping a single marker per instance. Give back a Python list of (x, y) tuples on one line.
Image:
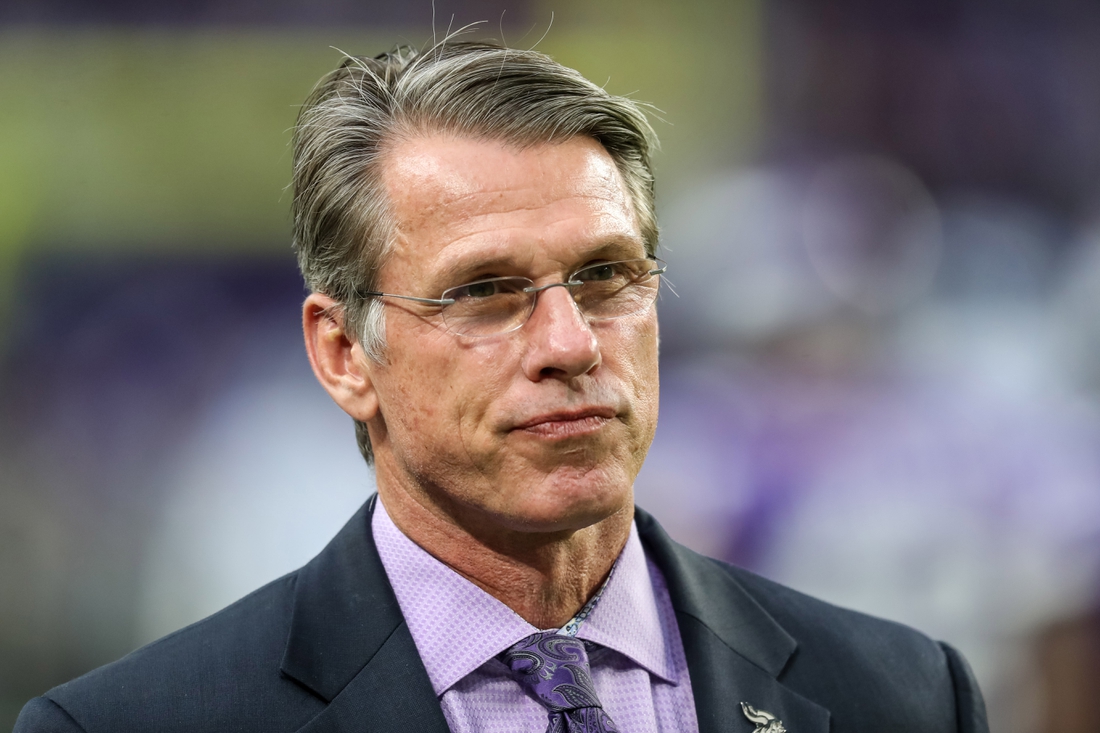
[(880, 377)]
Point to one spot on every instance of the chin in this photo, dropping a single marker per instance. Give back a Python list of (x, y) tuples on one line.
[(572, 501)]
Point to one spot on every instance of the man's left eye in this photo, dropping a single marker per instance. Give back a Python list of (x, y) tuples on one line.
[(597, 272)]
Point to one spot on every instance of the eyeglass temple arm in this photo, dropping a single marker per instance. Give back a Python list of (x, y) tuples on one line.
[(430, 301)]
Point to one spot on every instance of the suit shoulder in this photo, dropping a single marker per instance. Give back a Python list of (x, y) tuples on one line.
[(252, 627), (43, 715), (820, 623), (225, 665), (863, 668)]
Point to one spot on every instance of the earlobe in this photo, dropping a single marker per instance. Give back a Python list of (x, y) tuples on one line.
[(338, 360)]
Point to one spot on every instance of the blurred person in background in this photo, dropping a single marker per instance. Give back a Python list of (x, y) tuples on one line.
[(478, 230)]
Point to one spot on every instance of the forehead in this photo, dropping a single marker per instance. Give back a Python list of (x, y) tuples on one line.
[(455, 201)]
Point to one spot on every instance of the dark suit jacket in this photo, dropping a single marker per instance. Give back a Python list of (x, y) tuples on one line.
[(326, 649)]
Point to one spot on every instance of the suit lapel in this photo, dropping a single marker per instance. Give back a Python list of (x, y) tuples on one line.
[(349, 643), (735, 650)]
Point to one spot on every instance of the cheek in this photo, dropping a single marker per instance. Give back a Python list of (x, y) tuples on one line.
[(448, 392), (639, 356), (483, 374), (647, 391), (633, 358), (415, 389), (647, 386)]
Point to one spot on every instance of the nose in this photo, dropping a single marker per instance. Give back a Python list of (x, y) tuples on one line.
[(560, 343)]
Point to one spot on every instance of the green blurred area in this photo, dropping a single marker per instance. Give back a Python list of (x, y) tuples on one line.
[(137, 138), (121, 139)]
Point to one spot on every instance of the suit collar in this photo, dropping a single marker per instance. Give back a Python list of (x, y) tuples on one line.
[(344, 610), (736, 651), (701, 589), (349, 643)]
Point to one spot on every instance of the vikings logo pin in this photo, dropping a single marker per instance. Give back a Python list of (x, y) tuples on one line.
[(765, 721)]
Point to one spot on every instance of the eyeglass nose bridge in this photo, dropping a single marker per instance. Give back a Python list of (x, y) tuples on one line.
[(535, 290)]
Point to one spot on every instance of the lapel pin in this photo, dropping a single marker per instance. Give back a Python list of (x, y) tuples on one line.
[(765, 721)]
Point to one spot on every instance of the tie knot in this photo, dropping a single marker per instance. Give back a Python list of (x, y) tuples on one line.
[(554, 668)]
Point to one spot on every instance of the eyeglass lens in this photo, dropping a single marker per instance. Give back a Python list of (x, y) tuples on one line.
[(602, 291)]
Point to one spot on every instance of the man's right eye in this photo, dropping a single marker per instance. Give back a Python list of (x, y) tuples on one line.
[(491, 288), (478, 290)]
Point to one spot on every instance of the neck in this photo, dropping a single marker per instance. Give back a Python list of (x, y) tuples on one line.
[(545, 577)]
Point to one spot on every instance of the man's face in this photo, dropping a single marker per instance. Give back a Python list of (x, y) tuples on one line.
[(540, 429)]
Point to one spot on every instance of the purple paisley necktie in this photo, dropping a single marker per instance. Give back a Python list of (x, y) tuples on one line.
[(554, 669)]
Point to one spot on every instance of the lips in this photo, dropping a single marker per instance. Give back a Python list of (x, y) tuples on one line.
[(567, 423)]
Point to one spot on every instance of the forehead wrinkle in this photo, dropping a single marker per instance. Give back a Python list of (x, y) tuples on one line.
[(413, 160), (582, 229), (456, 222), (505, 196)]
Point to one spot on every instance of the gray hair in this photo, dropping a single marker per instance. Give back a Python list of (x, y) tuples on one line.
[(357, 113)]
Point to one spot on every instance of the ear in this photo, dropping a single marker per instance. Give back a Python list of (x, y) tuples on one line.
[(337, 359)]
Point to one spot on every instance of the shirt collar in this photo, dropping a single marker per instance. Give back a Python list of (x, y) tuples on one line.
[(628, 618), (439, 605)]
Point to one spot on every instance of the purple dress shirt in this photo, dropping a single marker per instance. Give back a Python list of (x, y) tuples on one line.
[(640, 674)]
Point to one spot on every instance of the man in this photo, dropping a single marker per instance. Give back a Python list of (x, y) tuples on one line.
[(477, 228)]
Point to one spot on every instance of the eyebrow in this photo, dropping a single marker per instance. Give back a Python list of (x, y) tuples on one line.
[(469, 268)]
